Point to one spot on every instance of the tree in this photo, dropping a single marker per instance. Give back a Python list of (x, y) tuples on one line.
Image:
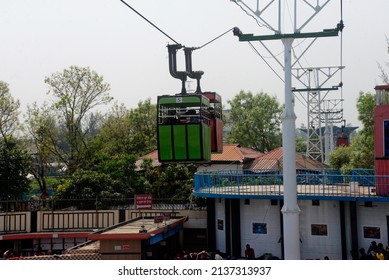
[(44, 135), (173, 181), (129, 131), (362, 144), (301, 144), (365, 106), (360, 153), (9, 112), (76, 91), (143, 133), (121, 168), (341, 158), (14, 167), (87, 184), (255, 121), (362, 147)]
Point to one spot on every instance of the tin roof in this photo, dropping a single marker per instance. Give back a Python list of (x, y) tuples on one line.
[(235, 153), (251, 159), (231, 153), (274, 160), (382, 87), (132, 229)]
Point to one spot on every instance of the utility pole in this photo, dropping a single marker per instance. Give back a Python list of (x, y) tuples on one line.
[(290, 209)]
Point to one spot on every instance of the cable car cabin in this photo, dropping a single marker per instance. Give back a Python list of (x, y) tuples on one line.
[(216, 121), (183, 128), (342, 139)]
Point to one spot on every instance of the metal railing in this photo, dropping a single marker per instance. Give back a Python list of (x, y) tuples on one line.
[(77, 220), (267, 183), (77, 204), (13, 222)]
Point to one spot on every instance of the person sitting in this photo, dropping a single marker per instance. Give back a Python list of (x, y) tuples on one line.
[(372, 248), (170, 118), (364, 256), (191, 116), (380, 254), (249, 253)]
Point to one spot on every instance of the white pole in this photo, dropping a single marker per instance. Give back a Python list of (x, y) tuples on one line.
[(290, 209)]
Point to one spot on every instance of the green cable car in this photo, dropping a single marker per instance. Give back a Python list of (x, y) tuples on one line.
[(183, 128), (189, 125)]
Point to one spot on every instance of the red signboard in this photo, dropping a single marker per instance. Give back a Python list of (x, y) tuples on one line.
[(143, 201)]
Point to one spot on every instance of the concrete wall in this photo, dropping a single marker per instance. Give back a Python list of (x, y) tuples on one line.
[(375, 217), (320, 227), (321, 219), (261, 212)]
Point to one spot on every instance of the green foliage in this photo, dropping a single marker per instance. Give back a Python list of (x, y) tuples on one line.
[(340, 157), (129, 131), (89, 185), (255, 121), (360, 153), (365, 107), (362, 146), (14, 167), (301, 145), (121, 168), (174, 181)]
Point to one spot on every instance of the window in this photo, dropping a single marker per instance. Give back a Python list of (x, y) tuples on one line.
[(319, 229), (386, 138), (220, 224), (368, 204), (259, 228), (372, 232)]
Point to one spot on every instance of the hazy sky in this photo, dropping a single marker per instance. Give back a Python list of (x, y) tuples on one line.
[(41, 37)]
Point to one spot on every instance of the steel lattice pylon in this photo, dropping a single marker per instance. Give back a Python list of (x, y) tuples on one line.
[(322, 112), (314, 132)]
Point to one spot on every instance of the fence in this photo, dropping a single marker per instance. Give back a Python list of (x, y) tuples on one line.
[(37, 215), (76, 204), (267, 183)]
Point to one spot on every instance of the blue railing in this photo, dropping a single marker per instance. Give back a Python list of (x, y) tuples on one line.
[(315, 184)]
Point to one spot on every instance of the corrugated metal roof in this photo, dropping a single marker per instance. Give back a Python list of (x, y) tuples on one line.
[(231, 153), (250, 158), (250, 153), (274, 159)]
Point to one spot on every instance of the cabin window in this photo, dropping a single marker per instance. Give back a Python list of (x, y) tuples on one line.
[(386, 138), (315, 202)]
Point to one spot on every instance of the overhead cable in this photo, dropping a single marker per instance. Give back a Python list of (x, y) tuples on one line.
[(139, 14)]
